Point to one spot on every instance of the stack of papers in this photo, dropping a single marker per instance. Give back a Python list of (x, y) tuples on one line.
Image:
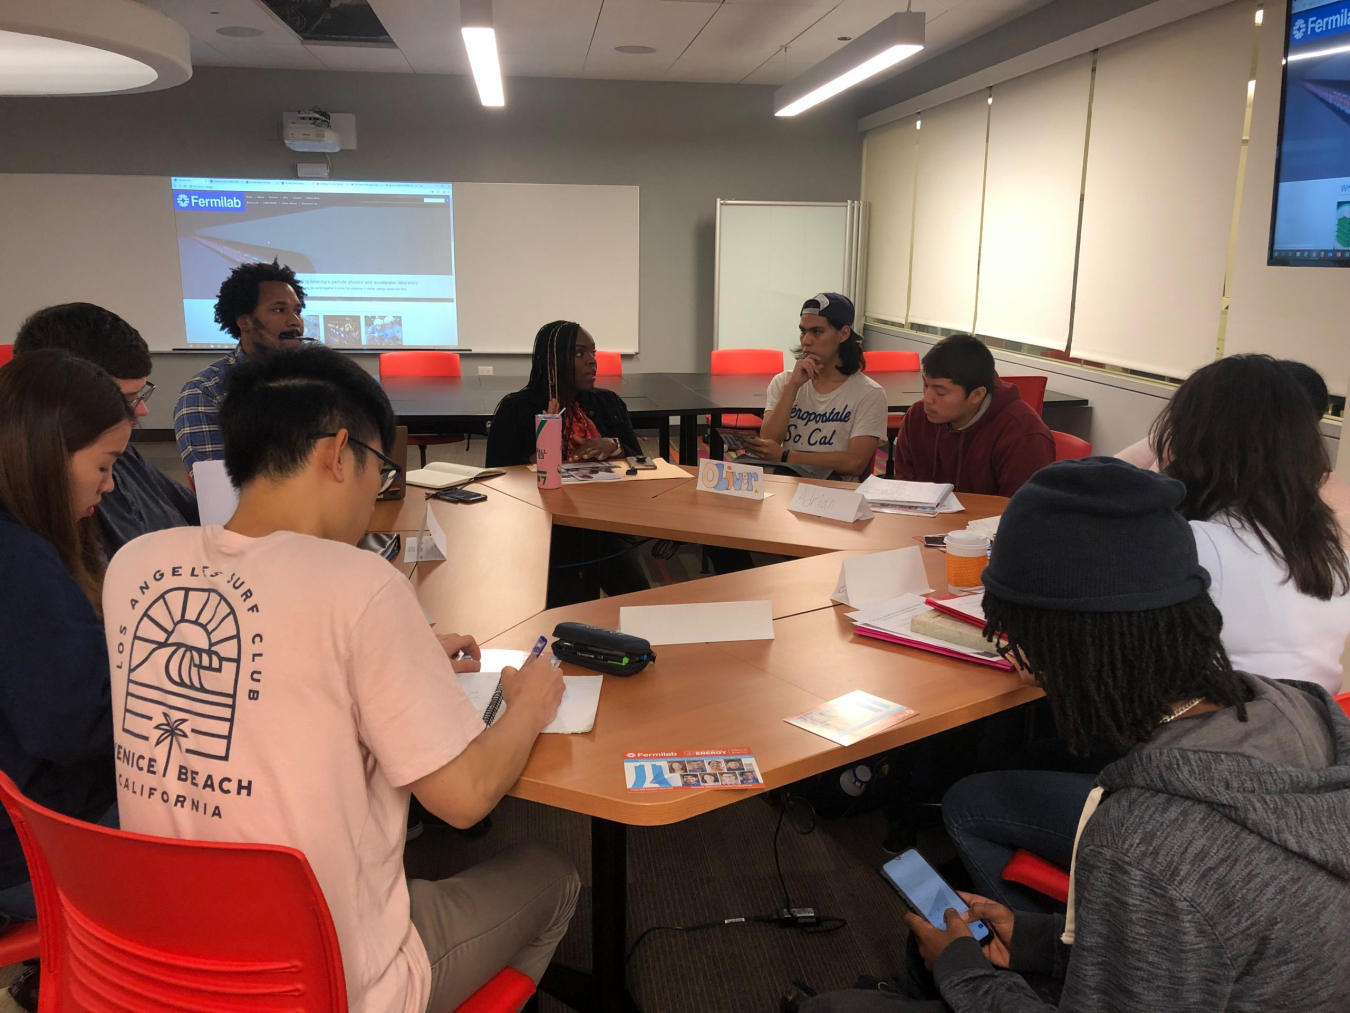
[(987, 526), (889, 620), (576, 713), (927, 499), (589, 471)]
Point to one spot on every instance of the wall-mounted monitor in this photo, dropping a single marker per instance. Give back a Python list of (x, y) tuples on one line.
[(1310, 221)]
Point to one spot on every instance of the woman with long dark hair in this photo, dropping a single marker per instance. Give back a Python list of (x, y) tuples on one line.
[(1241, 436), (63, 423), (595, 427)]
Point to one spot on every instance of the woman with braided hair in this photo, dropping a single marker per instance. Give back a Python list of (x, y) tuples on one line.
[(595, 427)]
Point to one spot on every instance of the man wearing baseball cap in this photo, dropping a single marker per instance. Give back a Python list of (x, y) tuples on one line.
[(824, 411)]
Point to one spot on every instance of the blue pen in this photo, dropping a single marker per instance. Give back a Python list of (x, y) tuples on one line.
[(494, 705)]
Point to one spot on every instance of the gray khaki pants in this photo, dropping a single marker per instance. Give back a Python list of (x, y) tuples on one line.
[(510, 911)]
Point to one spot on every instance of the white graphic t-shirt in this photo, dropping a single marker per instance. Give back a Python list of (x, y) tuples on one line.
[(824, 423), (286, 690)]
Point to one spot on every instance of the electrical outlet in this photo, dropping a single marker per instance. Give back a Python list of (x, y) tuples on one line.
[(484, 370)]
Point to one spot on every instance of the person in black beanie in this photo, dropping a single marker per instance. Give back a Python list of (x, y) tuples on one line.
[(1208, 865)]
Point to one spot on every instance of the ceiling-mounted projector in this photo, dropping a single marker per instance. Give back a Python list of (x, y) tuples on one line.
[(309, 130)]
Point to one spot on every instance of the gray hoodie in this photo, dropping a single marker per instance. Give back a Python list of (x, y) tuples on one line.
[(1214, 876)]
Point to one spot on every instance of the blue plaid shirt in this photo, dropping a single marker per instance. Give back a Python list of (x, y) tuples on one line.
[(196, 417)]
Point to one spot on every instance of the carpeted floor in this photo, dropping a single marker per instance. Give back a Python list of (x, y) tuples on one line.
[(715, 866)]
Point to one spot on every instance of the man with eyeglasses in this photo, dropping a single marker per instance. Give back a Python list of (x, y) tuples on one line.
[(143, 498), (272, 683)]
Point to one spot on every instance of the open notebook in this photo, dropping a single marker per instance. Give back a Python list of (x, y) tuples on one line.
[(447, 475), (576, 713)]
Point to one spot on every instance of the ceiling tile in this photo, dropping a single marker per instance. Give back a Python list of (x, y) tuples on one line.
[(204, 55), (370, 59), (250, 53), (201, 19), (666, 26), (739, 38)]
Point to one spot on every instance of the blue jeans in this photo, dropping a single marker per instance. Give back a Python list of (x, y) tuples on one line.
[(17, 903), (989, 816)]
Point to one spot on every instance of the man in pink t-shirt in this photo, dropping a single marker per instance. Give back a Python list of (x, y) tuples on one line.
[(272, 683)]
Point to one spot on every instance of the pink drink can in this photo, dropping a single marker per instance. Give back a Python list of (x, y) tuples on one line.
[(548, 451)]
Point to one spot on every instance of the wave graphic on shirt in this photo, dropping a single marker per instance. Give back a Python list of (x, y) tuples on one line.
[(184, 674)]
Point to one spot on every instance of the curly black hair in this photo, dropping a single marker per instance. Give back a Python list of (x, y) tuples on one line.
[(1111, 677), (238, 294)]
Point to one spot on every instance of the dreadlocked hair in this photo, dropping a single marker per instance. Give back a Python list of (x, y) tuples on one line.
[(552, 370), (1111, 677)]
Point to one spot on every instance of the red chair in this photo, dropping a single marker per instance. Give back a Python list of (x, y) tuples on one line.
[(1032, 389), (892, 361), (425, 365), (608, 364), (184, 925), (1069, 447), (6, 353), (19, 943), (728, 361)]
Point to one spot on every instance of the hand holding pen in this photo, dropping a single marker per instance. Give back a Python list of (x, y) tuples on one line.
[(536, 685)]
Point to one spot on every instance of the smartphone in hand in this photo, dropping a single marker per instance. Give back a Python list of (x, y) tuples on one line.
[(927, 893)]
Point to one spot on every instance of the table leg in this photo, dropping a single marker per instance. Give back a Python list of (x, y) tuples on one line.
[(716, 451), (605, 989), (609, 916), (663, 438), (689, 439)]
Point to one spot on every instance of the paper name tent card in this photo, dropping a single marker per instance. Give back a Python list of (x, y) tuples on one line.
[(728, 478), (448, 475), (846, 505), (881, 575), (217, 498), (852, 717), (701, 623), (430, 543)]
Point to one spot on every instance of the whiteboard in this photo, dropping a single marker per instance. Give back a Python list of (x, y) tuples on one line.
[(771, 258), (525, 254)]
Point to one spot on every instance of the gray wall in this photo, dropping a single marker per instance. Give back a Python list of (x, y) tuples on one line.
[(685, 145)]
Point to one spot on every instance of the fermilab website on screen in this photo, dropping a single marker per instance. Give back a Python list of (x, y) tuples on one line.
[(377, 260)]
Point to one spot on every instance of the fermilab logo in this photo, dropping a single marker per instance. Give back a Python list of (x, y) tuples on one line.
[(208, 200)]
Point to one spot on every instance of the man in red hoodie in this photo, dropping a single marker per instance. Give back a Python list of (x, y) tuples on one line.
[(971, 429)]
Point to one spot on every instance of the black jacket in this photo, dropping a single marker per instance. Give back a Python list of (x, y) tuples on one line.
[(511, 435), (55, 711)]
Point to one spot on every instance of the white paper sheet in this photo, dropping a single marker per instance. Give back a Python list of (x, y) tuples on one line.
[(833, 504), (216, 497), (702, 623), (576, 713), (881, 575)]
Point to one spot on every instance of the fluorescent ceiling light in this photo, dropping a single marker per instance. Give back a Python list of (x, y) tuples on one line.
[(480, 39), (1318, 52), (898, 37), (89, 47)]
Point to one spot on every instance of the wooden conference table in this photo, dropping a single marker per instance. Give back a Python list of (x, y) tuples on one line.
[(465, 404), (697, 695)]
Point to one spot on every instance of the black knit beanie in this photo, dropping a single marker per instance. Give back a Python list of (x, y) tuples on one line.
[(1095, 535)]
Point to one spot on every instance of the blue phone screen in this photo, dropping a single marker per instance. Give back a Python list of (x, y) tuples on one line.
[(927, 891)]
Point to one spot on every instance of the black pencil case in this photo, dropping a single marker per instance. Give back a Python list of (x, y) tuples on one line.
[(601, 650)]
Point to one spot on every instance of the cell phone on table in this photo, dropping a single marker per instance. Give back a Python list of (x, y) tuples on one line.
[(640, 463), (458, 496), (927, 893), (934, 541)]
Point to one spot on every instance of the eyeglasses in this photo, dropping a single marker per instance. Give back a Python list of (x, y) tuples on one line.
[(389, 471), (141, 396)]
